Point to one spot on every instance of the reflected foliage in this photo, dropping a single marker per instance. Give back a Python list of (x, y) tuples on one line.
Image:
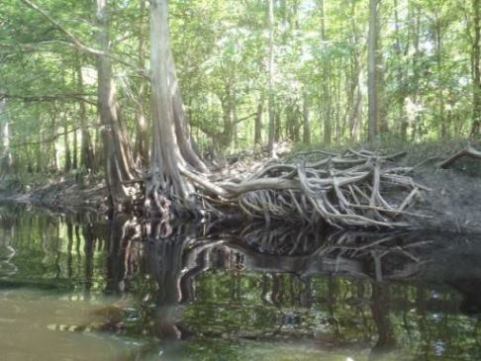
[(200, 293)]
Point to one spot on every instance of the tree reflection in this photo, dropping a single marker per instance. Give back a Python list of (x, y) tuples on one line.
[(380, 308), (384, 294)]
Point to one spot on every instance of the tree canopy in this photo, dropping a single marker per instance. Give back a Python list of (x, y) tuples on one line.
[(77, 82)]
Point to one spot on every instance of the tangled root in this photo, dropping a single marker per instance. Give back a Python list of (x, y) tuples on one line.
[(352, 189)]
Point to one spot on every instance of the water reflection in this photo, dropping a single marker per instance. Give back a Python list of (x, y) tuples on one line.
[(252, 293)]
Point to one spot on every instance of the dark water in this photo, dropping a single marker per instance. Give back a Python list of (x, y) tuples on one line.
[(80, 288)]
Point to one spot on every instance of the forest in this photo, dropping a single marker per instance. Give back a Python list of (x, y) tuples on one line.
[(165, 100), (238, 180)]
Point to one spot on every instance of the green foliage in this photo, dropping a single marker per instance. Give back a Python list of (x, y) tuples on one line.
[(221, 52)]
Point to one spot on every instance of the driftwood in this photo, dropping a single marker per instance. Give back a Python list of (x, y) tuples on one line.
[(469, 151), (352, 189)]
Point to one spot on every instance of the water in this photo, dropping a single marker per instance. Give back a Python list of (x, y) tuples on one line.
[(81, 288)]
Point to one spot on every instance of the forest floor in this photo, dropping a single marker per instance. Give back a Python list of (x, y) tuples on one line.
[(453, 204)]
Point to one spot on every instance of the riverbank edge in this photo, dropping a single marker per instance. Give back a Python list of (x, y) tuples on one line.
[(452, 204), (64, 194)]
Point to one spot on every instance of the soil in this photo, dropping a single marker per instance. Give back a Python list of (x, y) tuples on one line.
[(454, 202)]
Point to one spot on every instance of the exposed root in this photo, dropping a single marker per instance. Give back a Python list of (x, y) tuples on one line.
[(353, 189), (469, 151)]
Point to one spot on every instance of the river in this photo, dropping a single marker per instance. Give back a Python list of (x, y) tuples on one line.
[(87, 288)]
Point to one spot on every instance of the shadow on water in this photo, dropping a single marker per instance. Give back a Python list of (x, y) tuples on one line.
[(193, 292)]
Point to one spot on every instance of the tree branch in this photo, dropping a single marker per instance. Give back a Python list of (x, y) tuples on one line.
[(240, 120), (80, 44)]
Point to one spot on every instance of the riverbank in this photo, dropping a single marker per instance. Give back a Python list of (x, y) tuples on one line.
[(70, 194), (452, 202)]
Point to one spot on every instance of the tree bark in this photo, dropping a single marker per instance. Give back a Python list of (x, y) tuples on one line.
[(166, 182), (86, 151), (382, 106), (142, 138), (306, 137), (228, 106), (118, 162), (372, 70), (182, 132), (325, 83), (476, 69), (271, 132), (355, 95), (258, 122), (68, 154), (54, 162), (439, 62), (415, 12), (400, 74), (75, 150), (6, 155), (339, 119)]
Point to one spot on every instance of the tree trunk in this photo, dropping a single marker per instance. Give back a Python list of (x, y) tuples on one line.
[(337, 109), (228, 105), (6, 155), (277, 123), (439, 62), (118, 162), (142, 139), (75, 140), (306, 137), (182, 132), (403, 126), (372, 70), (166, 181), (68, 154), (258, 122), (386, 341), (54, 163), (271, 133), (476, 69), (86, 151), (416, 13), (325, 83), (382, 123), (75, 150), (355, 95), (292, 121)]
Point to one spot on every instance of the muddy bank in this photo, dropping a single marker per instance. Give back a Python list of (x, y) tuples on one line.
[(454, 202)]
